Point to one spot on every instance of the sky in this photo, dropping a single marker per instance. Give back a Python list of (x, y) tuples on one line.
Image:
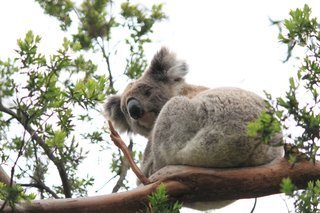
[(225, 43)]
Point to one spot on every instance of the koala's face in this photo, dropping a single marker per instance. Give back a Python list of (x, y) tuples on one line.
[(141, 103), (137, 108)]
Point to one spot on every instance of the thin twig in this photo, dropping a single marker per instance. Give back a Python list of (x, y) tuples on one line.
[(254, 205), (115, 137), (40, 185), (20, 152), (11, 183), (125, 166), (107, 59), (108, 181)]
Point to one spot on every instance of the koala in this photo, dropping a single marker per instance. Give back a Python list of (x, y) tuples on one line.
[(187, 124)]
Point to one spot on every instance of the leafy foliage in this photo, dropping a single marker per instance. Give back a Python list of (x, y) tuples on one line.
[(48, 94), (305, 200), (265, 126), (14, 194), (300, 28), (47, 98), (60, 9), (300, 106), (159, 202)]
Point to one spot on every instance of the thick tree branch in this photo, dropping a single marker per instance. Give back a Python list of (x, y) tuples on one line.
[(58, 163), (189, 184)]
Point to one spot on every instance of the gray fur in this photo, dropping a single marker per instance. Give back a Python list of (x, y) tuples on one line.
[(191, 125), (210, 130)]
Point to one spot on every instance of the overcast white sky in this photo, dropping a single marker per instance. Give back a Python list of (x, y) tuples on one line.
[(226, 43)]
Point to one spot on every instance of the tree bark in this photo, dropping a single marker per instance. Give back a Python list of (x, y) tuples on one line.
[(189, 184)]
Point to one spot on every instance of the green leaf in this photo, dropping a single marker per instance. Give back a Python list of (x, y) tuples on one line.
[(159, 202), (57, 140), (287, 186), (14, 194), (266, 126), (292, 84)]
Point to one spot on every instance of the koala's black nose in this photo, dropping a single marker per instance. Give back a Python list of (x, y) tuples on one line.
[(135, 109)]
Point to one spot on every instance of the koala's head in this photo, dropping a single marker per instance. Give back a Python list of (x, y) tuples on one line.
[(137, 108)]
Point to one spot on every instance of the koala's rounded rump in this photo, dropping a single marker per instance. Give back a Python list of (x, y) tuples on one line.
[(210, 130)]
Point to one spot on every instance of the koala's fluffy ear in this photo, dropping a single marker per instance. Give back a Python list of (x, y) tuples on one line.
[(112, 109), (165, 66)]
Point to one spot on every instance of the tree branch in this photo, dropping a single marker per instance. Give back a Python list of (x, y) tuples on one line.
[(107, 59), (40, 185), (58, 163), (115, 137), (189, 184), (123, 170)]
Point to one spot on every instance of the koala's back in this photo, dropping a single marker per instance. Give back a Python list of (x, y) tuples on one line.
[(210, 130)]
